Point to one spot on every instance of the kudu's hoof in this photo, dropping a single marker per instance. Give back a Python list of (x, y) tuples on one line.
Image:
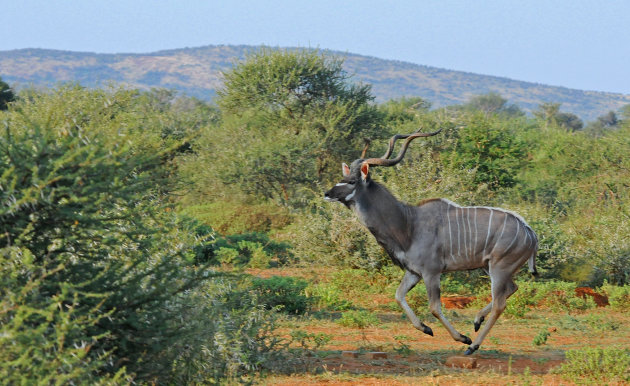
[(466, 339), (471, 349), (478, 324), (427, 330)]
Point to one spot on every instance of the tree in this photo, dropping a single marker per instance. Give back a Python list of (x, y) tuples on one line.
[(485, 145), (550, 114), (569, 121), (6, 95), (399, 112), (547, 113), (289, 116), (603, 123), (493, 103), (608, 120)]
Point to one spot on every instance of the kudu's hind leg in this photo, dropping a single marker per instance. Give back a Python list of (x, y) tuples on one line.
[(481, 315), (432, 282), (408, 282), (502, 288)]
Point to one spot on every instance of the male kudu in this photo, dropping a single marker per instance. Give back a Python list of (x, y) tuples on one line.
[(438, 236)]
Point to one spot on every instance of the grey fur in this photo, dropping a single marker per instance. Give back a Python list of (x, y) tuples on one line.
[(438, 236)]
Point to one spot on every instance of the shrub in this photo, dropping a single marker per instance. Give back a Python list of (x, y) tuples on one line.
[(560, 296), (358, 319), (228, 256), (484, 144), (555, 295), (618, 296), (541, 338), (239, 250), (310, 341), (259, 258), (287, 293), (329, 297), (96, 284), (597, 365), (331, 235), (233, 337), (237, 218)]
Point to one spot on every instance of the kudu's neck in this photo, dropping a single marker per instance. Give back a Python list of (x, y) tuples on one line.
[(389, 220)]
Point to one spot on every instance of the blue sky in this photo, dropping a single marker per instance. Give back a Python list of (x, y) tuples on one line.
[(572, 43)]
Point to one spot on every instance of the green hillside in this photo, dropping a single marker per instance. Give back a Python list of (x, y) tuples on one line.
[(197, 72)]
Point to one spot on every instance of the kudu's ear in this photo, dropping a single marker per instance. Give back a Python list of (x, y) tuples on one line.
[(345, 169), (365, 168)]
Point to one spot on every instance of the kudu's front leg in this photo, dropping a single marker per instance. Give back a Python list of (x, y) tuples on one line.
[(408, 282), (432, 282)]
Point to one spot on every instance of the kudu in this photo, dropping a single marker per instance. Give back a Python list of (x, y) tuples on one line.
[(438, 236)]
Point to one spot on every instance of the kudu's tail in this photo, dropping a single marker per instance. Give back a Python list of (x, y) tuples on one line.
[(531, 264)]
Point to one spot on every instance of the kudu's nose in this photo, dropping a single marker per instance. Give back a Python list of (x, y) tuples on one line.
[(327, 196)]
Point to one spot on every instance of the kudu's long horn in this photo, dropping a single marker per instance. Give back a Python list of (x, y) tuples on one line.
[(383, 161)]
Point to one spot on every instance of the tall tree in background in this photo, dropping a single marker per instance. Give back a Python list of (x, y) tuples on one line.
[(6, 95), (484, 144), (493, 103), (547, 113), (288, 117)]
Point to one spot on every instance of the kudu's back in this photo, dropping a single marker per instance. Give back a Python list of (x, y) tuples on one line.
[(473, 237)]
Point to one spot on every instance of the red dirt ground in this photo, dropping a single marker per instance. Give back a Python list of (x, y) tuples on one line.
[(401, 364)]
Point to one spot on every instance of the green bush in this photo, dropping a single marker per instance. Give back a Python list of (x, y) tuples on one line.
[(233, 336), (228, 256), (358, 319), (541, 338), (286, 293), (229, 218), (597, 365), (96, 284), (327, 296), (560, 296), (485, 145), (259, 258), (618, 296), (295, 114), (240, 249), (555, 295), (331, 235), (247, 253)]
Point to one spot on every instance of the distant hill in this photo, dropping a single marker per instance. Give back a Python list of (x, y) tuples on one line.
[(197, 72)]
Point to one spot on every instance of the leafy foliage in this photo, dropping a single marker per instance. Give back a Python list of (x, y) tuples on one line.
[(6, 95), (290, 116), (287, 293), (489, 148), (599, 365), (96, 281), (493, 103), (358, 319), (618, 296), (114, 203)]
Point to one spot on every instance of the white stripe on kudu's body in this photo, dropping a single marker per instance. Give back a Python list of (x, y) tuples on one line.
[(437, 236)]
